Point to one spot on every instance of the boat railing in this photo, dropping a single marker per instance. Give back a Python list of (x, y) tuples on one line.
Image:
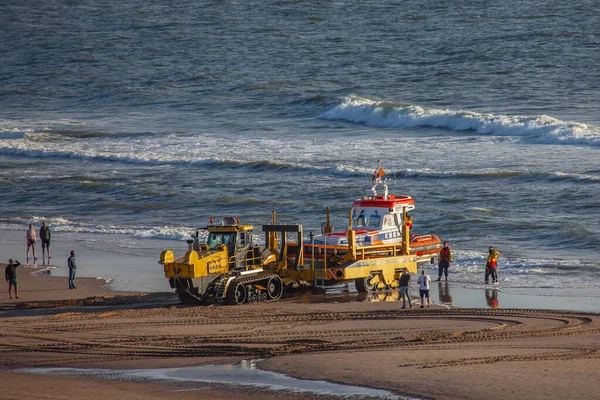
[(245, 263), (366, 251), (419, 237)]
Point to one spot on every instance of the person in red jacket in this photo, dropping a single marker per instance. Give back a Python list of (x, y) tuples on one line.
[(444, 260), (490, 266)]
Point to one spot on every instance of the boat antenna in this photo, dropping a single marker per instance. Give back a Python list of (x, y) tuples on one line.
[(376, 180)]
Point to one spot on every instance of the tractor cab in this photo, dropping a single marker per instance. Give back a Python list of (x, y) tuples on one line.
[(230, 235)]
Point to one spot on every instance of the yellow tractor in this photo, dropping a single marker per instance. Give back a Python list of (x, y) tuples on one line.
[(227, 268)]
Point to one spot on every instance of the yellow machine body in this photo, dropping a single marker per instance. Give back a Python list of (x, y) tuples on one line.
[(194, 265), (207, 261)]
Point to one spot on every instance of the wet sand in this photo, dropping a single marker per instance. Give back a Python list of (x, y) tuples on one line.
[(433, 353)]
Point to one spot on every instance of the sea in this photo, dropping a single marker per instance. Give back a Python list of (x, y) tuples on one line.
[(130, 123)]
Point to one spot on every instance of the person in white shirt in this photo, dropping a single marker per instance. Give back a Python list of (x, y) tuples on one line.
[(424, 280)]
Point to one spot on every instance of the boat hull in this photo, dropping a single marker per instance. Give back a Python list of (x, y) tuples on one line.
[(424, 247)]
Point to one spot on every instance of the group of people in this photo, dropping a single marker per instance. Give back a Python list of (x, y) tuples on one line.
[(444, 260), (10, 272), (423, 281), (31, 238)]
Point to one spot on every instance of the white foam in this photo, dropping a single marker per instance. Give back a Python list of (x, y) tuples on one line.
[(539, 128), (578, 177), (157, 232), (169, 150)]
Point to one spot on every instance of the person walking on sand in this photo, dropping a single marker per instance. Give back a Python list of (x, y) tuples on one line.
[(31, 239), (10, 274), (490, 266), (444, 260), (72, 269), (424, 280), (404, 284), (45, 238)]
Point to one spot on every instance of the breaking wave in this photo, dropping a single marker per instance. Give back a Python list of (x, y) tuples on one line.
[(67, 226), (281, 166), (539, 128)]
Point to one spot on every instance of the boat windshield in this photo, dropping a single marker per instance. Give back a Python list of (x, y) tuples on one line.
[(367, 221), (374, 221), (217, 238), (361, 220)]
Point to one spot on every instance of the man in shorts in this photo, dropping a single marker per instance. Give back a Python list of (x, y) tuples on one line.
[(11, 277), (424, 280)]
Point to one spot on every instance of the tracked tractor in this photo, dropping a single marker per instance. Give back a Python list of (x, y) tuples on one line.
[(227, 268)]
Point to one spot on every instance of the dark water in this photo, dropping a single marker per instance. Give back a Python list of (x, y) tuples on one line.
[(144, 119)]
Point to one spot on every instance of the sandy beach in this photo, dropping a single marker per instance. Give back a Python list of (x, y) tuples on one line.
[(441, 353)]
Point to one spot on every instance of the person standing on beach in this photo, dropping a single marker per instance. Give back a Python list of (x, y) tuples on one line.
[(31, 239), (404, 284), (10, 274), (424, 280), (45, 238), (444, 260), (72, 269), (490, 266)]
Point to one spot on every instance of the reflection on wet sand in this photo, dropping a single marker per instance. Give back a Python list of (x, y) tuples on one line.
[(346, 296), (444, 293), (491, 298)]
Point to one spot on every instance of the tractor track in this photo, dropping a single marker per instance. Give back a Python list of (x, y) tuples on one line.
[(166, 332)]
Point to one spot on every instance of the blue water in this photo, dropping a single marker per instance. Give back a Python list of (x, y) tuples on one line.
[(145, 118)]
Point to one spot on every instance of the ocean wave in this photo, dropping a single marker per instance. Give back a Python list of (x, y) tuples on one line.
[(497, 174), (273, 166), (539, 128), (25, 148), (61, 130), (8, 131), (170, 152), (574, 177), (65, 226)]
